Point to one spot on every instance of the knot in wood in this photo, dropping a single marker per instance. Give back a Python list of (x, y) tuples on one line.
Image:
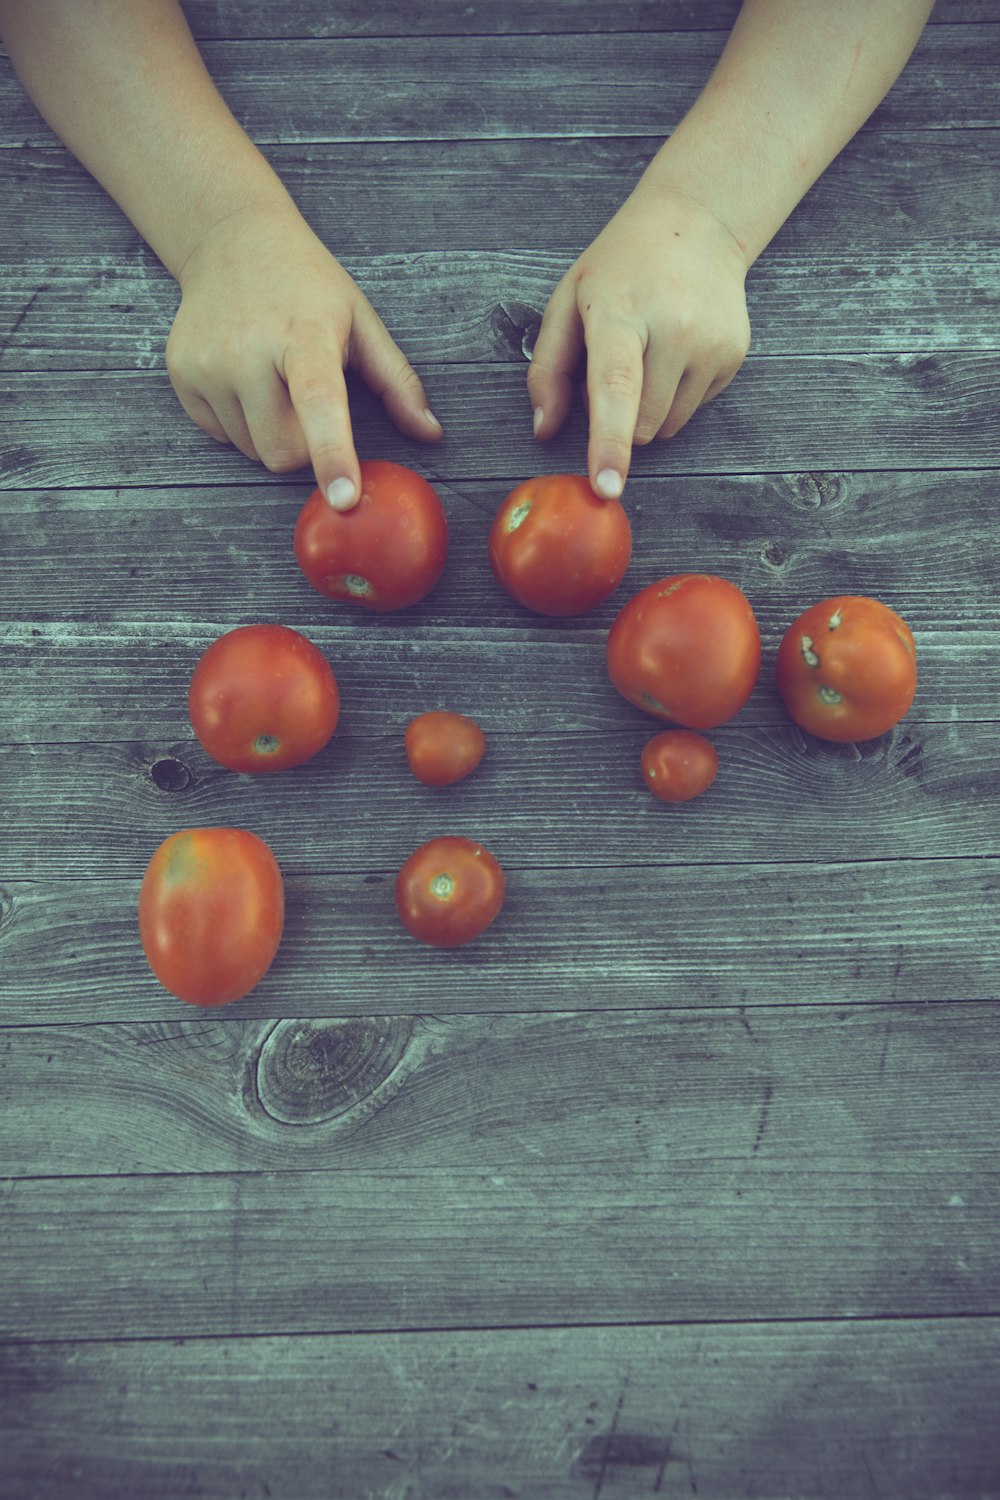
[(309, 1071), (515, 327), (170, 775)]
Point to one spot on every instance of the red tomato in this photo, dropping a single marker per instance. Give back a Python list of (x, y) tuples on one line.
[(679, 764), (386, 553), (686, 648), (443, 748), (847, 668), (263, 698), (211, 912), (558, 549), (449, 891)]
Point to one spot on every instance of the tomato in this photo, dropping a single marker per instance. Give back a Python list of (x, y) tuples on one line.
[(443, 748), (558, 549), (386, 553), (847, 668), (211, 912), (449, 891), (263, 698), (686, 648), (678, 765)]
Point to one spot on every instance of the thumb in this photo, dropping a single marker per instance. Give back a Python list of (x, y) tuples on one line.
[(557, 352), (385, 369)]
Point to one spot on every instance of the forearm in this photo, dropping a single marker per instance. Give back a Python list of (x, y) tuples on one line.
[(122, 83), (795, 82)]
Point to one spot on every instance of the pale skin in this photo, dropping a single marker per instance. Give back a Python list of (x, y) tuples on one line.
[(269, 320)]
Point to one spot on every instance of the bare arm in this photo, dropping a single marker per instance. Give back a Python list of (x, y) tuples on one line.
[(658, 299), (268, 318)]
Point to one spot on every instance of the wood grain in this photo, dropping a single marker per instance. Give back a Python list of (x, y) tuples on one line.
[(792, 1409), (502, 87), (904, 411), (588, 935), (823, 1408), (304, 1252), (932, 193), (790, 1089)]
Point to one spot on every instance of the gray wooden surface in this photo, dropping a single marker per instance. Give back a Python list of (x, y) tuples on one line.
[(683, 1179)]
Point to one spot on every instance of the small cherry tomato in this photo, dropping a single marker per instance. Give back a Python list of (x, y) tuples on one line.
[(449, 891), (443, 748), (558, 549), (686, 648), (847, 668), (387, 552), (263, 698), (211, 913), (678, 765)]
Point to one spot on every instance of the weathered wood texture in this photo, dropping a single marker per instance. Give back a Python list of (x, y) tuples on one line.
[(812, 1409), (730, 1065)]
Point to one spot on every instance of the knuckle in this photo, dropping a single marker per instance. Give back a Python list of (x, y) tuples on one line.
[(619, 380)]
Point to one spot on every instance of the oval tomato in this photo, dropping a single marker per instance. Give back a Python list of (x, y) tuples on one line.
[(557, 548), (449, 891), (678, 765), (211, 913), (847, 668), (263, 698), (686, 648), (443, 748), (387, 552)]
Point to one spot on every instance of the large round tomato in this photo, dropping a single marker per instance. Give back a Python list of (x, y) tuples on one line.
[(847, 668), (443, 748), (686, 648), (263, 698), (556, 548), (387, 552), (449, 891), (679, 764), (211, 912)]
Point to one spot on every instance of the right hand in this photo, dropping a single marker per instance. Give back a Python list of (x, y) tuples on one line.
[(268, 322)]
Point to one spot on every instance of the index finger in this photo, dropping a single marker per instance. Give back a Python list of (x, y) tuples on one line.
[(314, 373), (614, 391)]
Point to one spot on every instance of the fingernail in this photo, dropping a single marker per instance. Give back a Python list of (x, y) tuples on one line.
[(609, 483), (342, 494), (432, 419), (538, 418)]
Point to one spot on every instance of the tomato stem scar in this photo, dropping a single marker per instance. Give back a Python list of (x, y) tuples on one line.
[(442, 886), (518, 515), (355, 584), (830, 695), (808, 654), (837, 618), (266, 744)]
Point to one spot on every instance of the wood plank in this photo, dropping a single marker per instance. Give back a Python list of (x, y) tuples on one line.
[(926, 192), (922, 542), (901, 411), (227, 19), (333, 1251), (834, 1410), (456, 309), (800, 1090), (925, 789), (451, 88), (112, 683), (582, 937)]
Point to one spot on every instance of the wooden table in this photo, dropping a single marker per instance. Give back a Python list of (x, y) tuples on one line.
[(681, 1180)]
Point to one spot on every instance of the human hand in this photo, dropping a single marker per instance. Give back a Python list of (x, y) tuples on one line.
[(268, 322), (657, 304)]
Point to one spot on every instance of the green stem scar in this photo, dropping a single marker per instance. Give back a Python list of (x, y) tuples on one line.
[(356, 585), (830, 695), (266, 744), (518, 515), (442, 886)]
